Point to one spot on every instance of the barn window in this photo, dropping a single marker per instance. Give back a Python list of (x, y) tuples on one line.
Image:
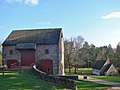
[(46, 51), (11, 52)]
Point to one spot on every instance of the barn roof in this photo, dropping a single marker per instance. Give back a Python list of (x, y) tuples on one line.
[(38, 36), (26, 46), (99, 64)]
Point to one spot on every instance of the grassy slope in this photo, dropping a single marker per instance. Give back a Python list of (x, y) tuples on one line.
[(15, 81), (12, 80), (108, 78)]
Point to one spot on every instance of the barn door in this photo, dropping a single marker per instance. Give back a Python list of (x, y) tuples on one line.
[(27, 57), (11, 63), (46, 66)]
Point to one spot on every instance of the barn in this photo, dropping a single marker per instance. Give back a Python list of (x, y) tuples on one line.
[(43, 47)]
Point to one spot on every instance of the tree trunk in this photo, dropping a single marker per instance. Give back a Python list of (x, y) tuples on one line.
[(75, 69), (69, 68)]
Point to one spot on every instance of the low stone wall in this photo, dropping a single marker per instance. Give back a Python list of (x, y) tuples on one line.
[(50, 78), (73, 77)]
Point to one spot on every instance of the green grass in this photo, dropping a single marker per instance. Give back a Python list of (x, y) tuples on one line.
[(15, 81), (108, 78), (9, 72), (83, 85), (80, 71)]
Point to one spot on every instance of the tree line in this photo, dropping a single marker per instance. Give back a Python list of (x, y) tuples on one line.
[(80, 54)]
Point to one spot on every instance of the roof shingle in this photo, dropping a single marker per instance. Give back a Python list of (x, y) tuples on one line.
[(38, 36), (99, 64), (26, 46)]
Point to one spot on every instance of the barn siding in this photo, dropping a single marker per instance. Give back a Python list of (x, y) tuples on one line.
[(53, 55), (51, 39), (16, 54), (61, 54)]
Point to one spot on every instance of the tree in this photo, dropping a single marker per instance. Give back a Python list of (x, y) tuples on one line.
[(85, 54), (72, 47), (116, 59), (78, 43), (110, 53), (78, 53), (68, 53), (92, 55)]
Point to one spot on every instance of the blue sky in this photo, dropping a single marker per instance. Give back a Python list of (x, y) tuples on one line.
[(97, 21)]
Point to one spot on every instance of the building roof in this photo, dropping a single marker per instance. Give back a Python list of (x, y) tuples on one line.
[(99, 64), (38, 36), (26, 46), (107, 67)]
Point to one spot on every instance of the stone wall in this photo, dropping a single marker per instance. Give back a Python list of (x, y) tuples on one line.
[(69, 83), (56, 54), (61, 54), (15, 56), (53, 55)]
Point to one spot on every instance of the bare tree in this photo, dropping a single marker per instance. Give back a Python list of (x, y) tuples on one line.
[(68, 53), (72, 48), (78, 43)]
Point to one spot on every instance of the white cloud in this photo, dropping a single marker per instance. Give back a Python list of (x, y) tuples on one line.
[(31, 2), (111, 15)]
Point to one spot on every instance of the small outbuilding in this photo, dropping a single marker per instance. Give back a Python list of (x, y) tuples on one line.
[(102, 67)]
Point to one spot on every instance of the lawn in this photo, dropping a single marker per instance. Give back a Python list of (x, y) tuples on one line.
[(83, 85), (80, 71), (108, 78), (13, 80)]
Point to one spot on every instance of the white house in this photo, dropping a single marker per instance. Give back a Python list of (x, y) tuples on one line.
[(102, 67)]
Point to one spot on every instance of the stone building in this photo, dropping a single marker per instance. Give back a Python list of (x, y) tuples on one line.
[(103, 67), (44, 47)]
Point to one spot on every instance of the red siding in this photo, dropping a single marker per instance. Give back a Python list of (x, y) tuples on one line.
[(46, 66), (9, 62), (27, 57)]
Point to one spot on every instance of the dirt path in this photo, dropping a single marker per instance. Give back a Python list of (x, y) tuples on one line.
[(114, 88)]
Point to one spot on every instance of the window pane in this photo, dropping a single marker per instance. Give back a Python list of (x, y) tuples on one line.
[(11, 52), (46, 51)]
